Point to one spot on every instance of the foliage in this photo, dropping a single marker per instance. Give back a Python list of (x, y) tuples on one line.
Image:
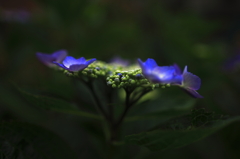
[(23, 140)]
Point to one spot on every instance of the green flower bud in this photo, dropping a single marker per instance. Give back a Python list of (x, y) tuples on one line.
[(116, 80), (168, 85), (132, 81)]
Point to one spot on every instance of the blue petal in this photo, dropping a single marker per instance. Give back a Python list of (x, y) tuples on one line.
[(59, 55), (74, 65), (60, 65), (151, 63), (90, 61), (147, 66), (190, 80), (178, 71), (165, 74), (83, 64), (81, 60), (193, 93), (45, 58), (76, 68), (69, 60)]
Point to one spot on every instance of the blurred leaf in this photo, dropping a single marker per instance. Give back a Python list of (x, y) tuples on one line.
[(55, 104), (164, 100), (165, 112), (160, 140), (22, 141), (10, 100), (150, 114)]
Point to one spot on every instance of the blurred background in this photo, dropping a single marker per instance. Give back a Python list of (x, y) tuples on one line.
[(202, 34)]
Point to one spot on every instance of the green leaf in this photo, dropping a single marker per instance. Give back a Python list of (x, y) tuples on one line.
[(23, 140), (155, 113), (55, 104), (164, 113), (160, 140)]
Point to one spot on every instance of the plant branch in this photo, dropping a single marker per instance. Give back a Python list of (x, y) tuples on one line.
[(127, 106), (89, 84), (140, 96), (109, 93)]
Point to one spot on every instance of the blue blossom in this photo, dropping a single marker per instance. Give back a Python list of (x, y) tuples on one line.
[(48, 59), (160, 74), (191, 83), (74, 65), (171, 74)]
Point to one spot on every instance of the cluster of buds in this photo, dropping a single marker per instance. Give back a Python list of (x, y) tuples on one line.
[(97, 69), (131, 78)]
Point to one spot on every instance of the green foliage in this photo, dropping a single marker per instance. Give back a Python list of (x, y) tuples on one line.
[(201, 118), (151, 114), (27, 141), (55, 104), (160, 140)]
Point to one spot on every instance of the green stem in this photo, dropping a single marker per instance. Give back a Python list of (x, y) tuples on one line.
[(89, 84), (98, 103), (116, 126), (109, 94), (139, 97), (128, 105)]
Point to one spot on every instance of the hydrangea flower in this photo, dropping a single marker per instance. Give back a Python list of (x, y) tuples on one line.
[(74, 65), (160, 74), (171, 74), (48, 59), (191, 83)]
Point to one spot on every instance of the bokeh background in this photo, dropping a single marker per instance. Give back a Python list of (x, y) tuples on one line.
[(202, 34)]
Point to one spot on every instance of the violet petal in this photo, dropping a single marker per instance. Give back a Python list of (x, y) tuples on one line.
[(90, 61), (60, 55), (46, 59), (190, 80), (147, 66), (60, 65), (69, 60), (77, 67), (193, 93)]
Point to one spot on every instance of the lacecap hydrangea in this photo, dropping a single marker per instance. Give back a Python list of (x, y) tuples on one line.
[(149, 75)]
